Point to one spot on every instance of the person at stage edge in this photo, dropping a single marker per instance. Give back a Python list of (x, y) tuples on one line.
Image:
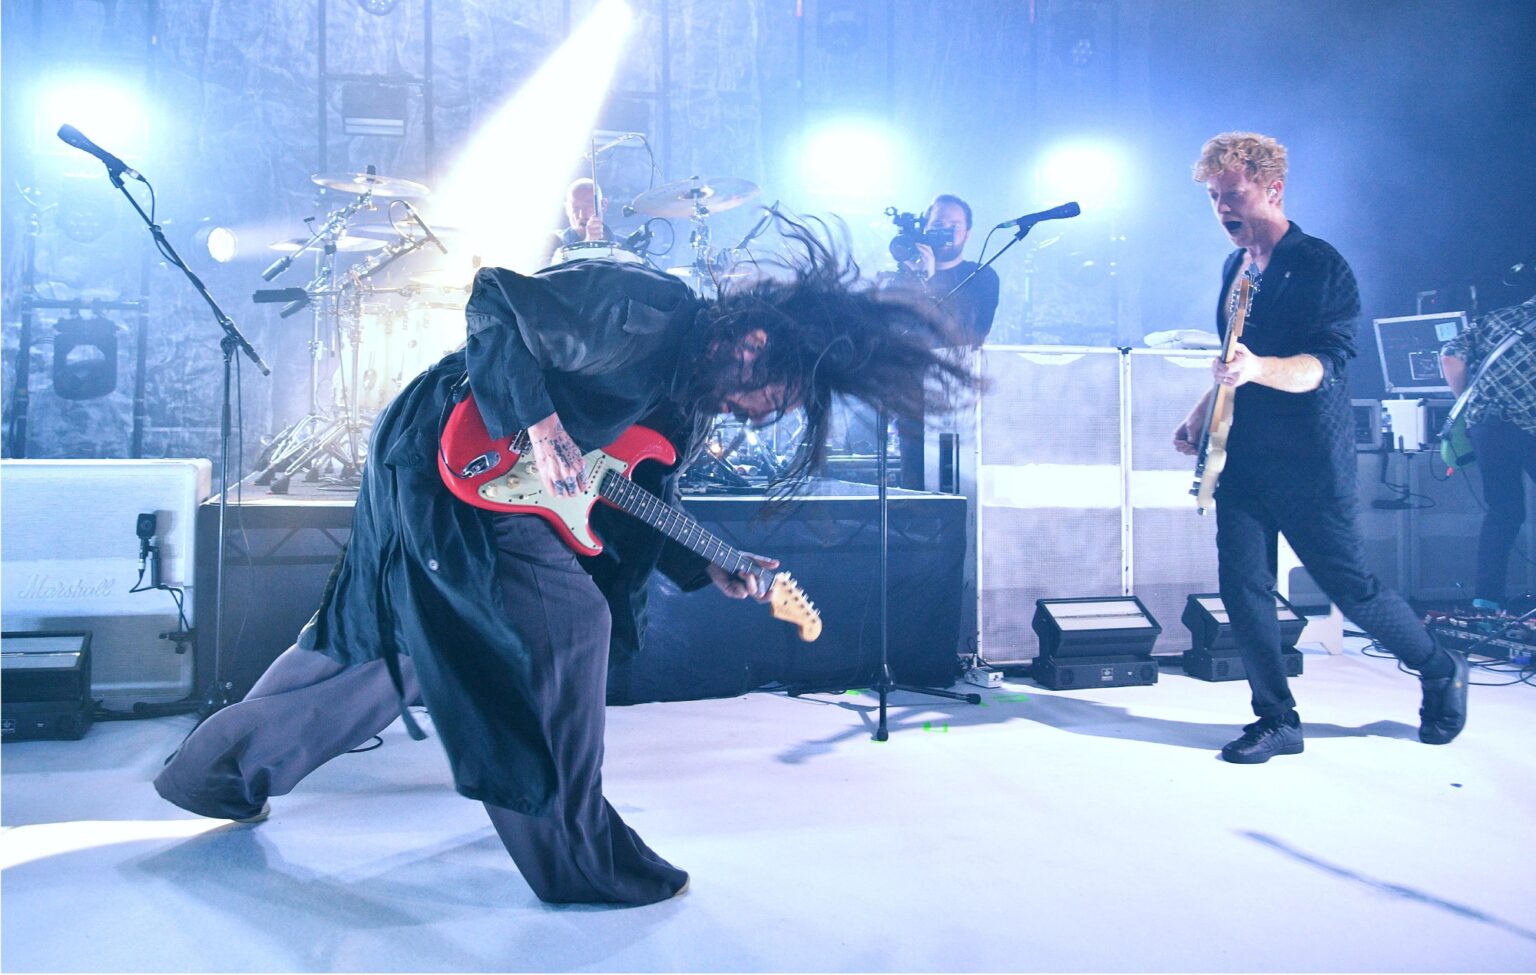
[(585, 207), (1501, 422), (971, 309), (1290, 454), (488, 618)]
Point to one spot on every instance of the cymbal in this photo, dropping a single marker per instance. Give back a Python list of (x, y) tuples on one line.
[(445, 280), (728, 273), (363, 182), (345, 243), (714, 193), (387, 232)]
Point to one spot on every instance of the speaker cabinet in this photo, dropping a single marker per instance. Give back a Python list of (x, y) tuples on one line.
[(1172, 547), (1046, 481), (70, 555)]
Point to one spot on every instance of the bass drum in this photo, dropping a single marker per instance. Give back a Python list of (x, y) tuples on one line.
[(587, 250), (376, 342), (395, 346)]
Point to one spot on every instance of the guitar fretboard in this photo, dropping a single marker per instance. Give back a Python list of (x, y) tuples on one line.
[(676, 525)]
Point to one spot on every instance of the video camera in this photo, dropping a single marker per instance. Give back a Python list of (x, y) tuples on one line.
[(910, 233)]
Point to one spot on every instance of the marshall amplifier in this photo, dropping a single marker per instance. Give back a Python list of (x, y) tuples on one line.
[(70, 554)]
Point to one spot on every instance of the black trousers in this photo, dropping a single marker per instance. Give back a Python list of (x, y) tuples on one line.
[(1323, 531), (1507, 455), (307, 709)]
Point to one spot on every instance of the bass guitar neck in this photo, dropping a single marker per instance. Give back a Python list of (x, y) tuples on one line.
[(1212, 459)]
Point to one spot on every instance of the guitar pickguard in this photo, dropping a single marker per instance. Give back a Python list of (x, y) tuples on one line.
[(522, 485)]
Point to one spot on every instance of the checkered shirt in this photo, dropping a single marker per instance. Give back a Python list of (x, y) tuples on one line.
[(1510, 386)]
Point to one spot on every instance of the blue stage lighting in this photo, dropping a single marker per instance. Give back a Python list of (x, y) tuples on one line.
[(1091, 172), (108, 111), (850, 161)]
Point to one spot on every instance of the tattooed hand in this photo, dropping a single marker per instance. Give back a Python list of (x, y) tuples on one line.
[(557, 457)]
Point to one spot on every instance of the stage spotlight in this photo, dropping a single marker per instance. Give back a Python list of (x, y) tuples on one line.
[(1214, 653), (505, 191), (1093, 173), (221, 243), (1094, 641), (108, 111), (850, 161)]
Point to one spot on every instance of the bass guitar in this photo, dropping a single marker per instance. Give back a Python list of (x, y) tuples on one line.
[(499, 475), (1218, 416)]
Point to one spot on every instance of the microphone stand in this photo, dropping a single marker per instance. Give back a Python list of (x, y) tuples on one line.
[(233, 340), (886, 682), (1023, 231)]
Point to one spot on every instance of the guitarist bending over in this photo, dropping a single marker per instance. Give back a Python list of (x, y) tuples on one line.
[(488, 617), (1291, 458)]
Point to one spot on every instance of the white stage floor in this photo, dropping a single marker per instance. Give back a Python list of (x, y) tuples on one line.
[(1091, 830)]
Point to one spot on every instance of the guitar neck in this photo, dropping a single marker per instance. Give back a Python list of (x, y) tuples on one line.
[(635, 500)]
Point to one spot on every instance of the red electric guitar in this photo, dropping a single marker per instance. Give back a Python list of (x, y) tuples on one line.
[(499, 475)]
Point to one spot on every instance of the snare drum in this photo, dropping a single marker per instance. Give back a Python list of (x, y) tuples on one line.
[(587, 250)]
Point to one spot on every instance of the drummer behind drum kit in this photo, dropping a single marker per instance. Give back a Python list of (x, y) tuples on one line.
[(385, 335)]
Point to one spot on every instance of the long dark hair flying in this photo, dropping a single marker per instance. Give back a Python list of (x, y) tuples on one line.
[(830, 334)]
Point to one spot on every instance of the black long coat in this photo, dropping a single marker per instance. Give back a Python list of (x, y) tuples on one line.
[(607, 345)]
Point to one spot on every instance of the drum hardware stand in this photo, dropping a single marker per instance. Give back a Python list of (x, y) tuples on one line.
[(324, 433)]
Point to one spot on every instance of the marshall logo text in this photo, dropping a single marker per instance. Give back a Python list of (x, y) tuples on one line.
[(47, 587)]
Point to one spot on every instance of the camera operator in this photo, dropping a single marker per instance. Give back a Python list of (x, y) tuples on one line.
[(929, 253), (932, 260)]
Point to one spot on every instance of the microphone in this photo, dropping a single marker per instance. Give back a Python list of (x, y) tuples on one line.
[(762, 224), (145, 526), (1030, 219), (116, 166), (277, 267), (423, 225), (620, 140), (637, 241)]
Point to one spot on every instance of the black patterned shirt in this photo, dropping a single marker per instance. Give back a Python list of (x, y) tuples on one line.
[(1510, 386)]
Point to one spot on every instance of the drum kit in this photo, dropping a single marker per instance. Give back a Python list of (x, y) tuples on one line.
[(381, 335), (385, 333)]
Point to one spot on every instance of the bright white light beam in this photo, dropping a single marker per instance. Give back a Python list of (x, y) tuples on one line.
[(506, 190)]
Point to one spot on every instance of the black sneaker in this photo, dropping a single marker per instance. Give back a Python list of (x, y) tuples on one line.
[(1263, 740), (1444, 712)]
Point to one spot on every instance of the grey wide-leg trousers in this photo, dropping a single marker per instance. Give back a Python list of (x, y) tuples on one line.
[(308, 708)]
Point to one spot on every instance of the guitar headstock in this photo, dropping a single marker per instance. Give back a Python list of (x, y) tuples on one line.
[(789, 603)]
